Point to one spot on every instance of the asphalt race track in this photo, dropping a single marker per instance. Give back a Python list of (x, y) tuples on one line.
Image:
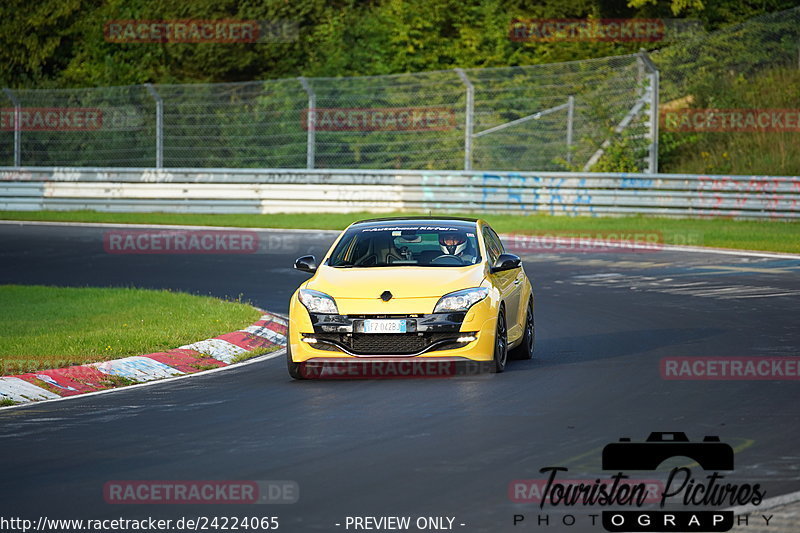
[(414, 447)]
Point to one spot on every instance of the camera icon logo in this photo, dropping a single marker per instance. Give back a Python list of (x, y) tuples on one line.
[(710, 454)]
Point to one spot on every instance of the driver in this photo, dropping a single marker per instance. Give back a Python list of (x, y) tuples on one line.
[(456, 244), (452, 243)]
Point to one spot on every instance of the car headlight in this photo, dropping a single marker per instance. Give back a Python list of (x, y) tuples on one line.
[(460, 300), (318, 302)]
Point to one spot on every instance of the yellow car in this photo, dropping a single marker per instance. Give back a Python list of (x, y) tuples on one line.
[(403, 289)]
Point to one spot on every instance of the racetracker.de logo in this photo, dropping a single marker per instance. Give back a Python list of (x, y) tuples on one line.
[(587, 242), (180, 242), (733, 120), (386, 369), (51, 119), (582, 30), (574, 491), (200, 31), (201, 492), (731, 368), (380, 119)]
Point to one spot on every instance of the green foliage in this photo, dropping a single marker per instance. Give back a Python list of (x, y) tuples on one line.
[(619, 157), (677, 6), (60, 43), (730, 152)]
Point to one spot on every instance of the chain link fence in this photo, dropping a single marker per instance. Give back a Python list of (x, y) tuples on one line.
[(730, 99), (112, 126), (560, 116), (545, 117), (703, 64)]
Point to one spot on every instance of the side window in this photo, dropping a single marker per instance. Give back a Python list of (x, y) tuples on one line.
[(493, 246), (497, 240)]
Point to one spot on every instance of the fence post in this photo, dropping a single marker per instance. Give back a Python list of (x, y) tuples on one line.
[(159, 124), (653, 77), (654, 116), (311, 123), (17, 127), (469, 110), (570, 116)]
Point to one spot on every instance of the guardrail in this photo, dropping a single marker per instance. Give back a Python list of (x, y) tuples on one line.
[(295, 190)]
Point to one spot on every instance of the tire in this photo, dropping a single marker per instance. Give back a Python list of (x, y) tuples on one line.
[(293, 368), (500, 344), (525, 349)]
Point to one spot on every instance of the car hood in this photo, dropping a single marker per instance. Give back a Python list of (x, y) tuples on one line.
[(402, 282)]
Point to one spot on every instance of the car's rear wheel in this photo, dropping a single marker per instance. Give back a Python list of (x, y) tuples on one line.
[(500, 343), (293, 368), (525, 349)]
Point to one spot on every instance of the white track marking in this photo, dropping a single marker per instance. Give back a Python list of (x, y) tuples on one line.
[(216, 348), (769, 503), (278, 319), (700, 289), (137, 368), (19, 390), (161, 226), (254, 360), (266, 333)]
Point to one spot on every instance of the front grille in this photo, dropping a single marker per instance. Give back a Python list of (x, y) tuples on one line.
[(386, 343)]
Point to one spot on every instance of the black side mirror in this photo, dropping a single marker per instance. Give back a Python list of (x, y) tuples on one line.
[(506, 262), (307, 263)]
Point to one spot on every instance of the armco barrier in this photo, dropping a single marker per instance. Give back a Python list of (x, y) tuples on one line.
[(292, 190)]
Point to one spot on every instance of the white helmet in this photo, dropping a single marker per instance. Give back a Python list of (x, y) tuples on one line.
[(452, 243)]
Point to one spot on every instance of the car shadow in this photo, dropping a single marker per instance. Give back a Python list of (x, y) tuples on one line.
[(581, 348)]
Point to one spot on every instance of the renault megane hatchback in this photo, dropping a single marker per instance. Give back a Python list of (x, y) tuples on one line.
[(421, 289)]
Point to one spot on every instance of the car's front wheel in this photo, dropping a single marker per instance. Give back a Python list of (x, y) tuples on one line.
[(525, 349), (500, 343), (294, 368)]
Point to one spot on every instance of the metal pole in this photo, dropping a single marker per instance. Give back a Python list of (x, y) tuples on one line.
[(654, 116), (470, 109), (159, 124), (654, 78), (311, 123), (642, 65), (624, 123), (17, 127), (534, 116), (570, 116)]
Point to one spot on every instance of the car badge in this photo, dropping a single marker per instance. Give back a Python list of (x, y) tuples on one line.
[(386, 296)]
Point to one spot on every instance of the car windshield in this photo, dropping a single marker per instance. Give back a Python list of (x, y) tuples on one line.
[(407, 245)]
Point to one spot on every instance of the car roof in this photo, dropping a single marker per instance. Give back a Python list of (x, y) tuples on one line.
[(468, 223)]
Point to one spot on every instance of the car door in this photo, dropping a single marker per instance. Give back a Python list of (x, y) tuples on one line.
[(509, 282)]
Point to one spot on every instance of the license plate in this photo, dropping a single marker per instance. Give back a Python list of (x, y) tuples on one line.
[(384, 326)]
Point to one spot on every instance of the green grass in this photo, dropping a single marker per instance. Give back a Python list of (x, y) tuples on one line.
[(290, 220), (244, 356), (776, 236), (51, 327)]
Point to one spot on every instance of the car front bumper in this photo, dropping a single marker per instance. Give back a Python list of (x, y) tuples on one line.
[(441, 336)]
